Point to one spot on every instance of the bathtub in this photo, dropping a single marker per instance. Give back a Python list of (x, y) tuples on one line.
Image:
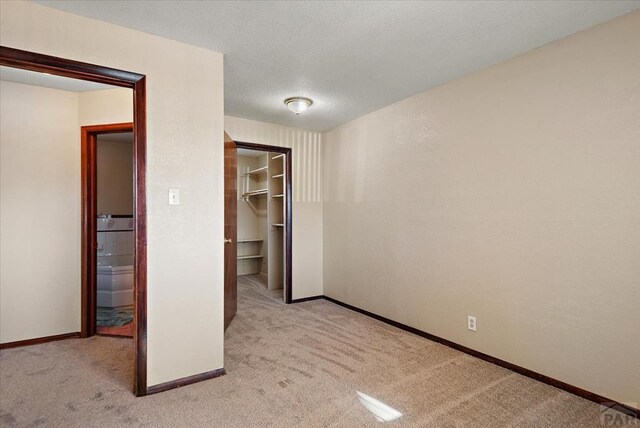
[(115, 261), (115, 280)]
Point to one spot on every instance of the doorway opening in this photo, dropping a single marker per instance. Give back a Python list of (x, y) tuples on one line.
[(53, 66), (258, 233), (109, 283)]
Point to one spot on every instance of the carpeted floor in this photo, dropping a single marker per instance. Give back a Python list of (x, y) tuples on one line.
[(259, 282), (311, 364)]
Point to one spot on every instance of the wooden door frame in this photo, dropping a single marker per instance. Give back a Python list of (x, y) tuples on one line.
[(88, 171), (17, 58), (288, 213)]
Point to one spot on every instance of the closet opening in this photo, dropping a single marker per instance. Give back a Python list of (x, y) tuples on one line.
[(261, 192)]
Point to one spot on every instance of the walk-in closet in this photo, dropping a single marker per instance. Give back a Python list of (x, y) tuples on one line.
[(261, 218)]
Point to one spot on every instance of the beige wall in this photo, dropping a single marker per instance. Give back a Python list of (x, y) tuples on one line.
[(39, 212), (512, 194), (106, 106), (184, 150), (115, 176), (307, 195), (41, 175), (115, 187)]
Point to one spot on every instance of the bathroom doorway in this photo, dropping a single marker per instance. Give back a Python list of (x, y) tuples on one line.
[(114, 282), (108, 213)]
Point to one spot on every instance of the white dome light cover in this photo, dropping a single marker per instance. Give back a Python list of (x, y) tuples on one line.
[(298, 104)]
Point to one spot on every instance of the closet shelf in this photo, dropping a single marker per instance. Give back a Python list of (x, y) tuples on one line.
[(277, 157), (278, 176), (258, 170), (242, 241), (278, 196), (255, 193), (257, 256)]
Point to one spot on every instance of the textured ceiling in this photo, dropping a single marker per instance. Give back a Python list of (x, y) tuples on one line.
[(349, 57), (34, 78)]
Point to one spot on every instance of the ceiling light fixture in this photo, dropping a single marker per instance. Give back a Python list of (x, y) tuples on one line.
[(298, 104)]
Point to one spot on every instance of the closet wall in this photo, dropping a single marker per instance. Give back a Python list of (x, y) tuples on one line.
[(307, 195)]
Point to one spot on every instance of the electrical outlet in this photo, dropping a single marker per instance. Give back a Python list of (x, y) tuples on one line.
[(471, 323)]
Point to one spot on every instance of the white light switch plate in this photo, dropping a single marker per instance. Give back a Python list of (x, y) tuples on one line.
[(174, 197)]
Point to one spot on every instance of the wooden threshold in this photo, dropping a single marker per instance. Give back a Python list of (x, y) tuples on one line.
[(119, 331)]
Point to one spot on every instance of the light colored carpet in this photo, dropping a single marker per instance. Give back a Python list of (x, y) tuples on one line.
[(259, 282), (287, 365)]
